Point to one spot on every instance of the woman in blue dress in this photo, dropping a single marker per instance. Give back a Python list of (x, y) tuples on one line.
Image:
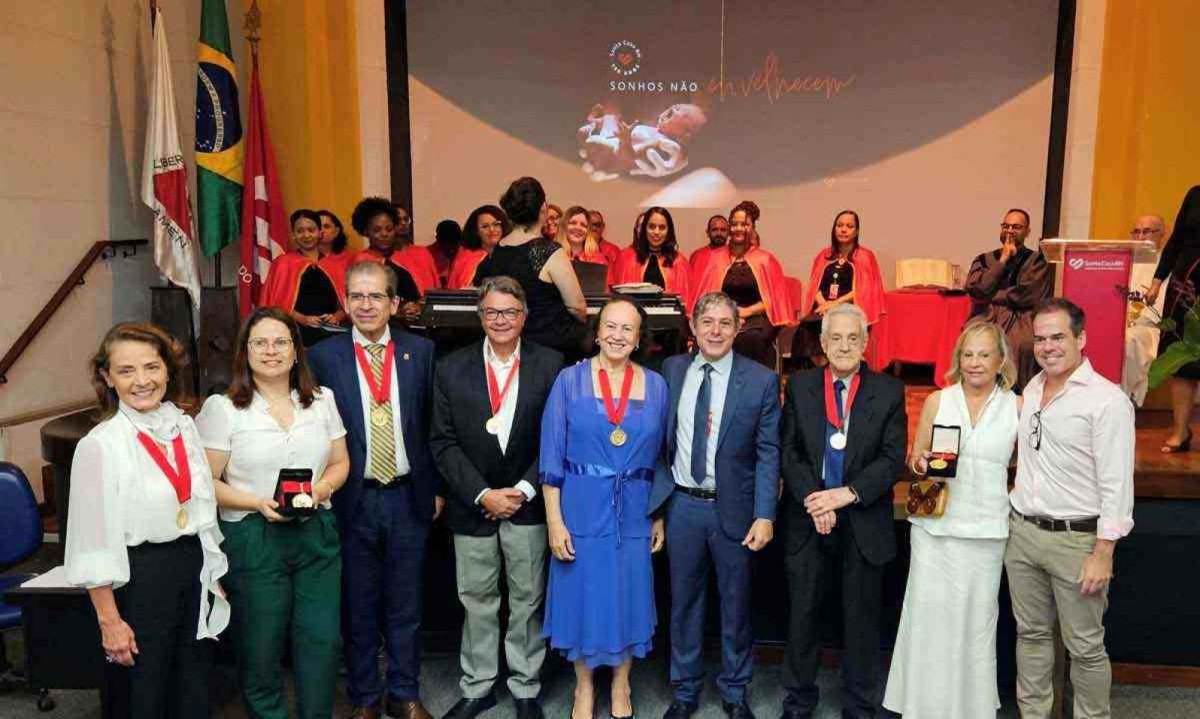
[(601, 434)]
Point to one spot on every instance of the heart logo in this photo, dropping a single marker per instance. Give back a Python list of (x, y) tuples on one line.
[(1076, 263), (625, 58)]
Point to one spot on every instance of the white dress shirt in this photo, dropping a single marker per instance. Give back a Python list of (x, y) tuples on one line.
[(508, 406), (120, 499), (258, 447), (685, 419), (1084, 466), (364, 389)]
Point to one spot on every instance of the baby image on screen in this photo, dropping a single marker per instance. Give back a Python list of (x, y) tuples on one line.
[(610, 146)]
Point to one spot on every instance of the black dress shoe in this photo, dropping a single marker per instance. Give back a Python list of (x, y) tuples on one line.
[(740, 710), (680, 710), (471, 708), (529, 709)]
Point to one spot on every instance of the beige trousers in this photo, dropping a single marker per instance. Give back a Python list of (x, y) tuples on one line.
[(1043, 571)]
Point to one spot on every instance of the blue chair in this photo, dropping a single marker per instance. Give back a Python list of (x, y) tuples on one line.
[(20, 537)]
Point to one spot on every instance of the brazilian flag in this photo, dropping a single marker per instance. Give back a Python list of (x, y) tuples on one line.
[(219, 148)]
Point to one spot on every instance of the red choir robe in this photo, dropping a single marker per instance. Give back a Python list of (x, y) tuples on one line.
[(283, 280), (612, 253), (400, 259), (868, 285), (598, 258), (420, 264), (678, 277), (462, 270), (335, 266), (699, 259), (767, 272)]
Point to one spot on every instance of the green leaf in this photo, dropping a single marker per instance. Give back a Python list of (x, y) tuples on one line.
[(1169, 362), (1167, 325), (1191, 327)]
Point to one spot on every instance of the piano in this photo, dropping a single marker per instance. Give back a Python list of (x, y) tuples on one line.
[(456, 309)]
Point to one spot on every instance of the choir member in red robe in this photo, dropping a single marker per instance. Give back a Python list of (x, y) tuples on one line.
[(299, 285), (447, 239), (482, 230), (376, 219), (415, 258), (611, 251), (843, 272), (754, 279), (582, 244), (550, 226), (335, 251), (656, 258), (717, 232)]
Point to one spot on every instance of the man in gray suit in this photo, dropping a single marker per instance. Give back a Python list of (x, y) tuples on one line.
[(487, 417)]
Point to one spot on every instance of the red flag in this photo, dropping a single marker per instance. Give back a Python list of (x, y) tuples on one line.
[(264, 223)]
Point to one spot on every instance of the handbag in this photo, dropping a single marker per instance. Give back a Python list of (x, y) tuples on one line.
[(927, 498)]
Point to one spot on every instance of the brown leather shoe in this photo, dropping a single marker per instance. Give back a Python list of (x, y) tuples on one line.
[(365, 713), (406, 709)]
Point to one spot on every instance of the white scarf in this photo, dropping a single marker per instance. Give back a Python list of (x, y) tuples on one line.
[(161, 423)]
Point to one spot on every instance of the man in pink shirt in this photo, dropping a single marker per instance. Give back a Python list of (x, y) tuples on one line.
[(1073, 500)]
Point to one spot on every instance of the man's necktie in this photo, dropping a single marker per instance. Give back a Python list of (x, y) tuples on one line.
[(834, 457), (700, 427), (382, 463)]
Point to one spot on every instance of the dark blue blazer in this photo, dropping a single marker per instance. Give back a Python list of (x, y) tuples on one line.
[(335, 366), (747, 444)]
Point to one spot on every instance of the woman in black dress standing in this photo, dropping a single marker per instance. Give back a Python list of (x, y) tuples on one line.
[(557, 313), (1181, 261)]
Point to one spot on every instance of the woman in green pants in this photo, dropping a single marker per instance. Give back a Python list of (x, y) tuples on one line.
[(284, 575)]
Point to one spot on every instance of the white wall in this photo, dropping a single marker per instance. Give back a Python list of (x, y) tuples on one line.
[(73, 92)]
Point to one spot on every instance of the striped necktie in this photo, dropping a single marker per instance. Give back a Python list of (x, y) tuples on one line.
[(381, 465)]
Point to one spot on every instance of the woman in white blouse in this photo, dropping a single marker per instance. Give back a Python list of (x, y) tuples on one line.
[(944, 663), (284, 572), (142, 532)]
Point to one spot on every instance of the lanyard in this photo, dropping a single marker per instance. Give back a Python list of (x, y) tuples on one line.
[(495, 394), (616, 412), (181, 478), (835, 418), (381, 391)]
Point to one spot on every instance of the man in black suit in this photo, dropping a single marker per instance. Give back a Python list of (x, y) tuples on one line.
[(381, 379), (843, 438), (487, 416)]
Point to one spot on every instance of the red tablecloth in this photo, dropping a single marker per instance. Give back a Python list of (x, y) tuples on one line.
[(920, 327)]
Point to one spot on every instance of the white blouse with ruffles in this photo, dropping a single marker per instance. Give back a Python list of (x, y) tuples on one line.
[(120, 499)]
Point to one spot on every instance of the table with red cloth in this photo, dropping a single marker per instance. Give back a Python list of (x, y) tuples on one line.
[(920, 327)]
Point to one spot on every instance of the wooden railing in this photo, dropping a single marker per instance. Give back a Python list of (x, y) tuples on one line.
[(104, 248)]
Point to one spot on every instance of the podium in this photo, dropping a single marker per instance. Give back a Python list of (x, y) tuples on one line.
[(1093, 274)]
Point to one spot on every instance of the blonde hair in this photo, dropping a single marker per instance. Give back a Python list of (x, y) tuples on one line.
[(1006, 376), (591, 244)]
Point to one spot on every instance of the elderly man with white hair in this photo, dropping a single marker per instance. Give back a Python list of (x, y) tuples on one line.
[(1141, 336), (843, 441)]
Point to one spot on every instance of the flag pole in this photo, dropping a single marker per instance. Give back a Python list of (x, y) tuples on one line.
[(250, 27)]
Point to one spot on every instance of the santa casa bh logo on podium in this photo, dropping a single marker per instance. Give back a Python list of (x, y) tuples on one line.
[(1076, 263), (624, 58)]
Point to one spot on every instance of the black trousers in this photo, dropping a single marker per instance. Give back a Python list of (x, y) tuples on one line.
[(813, 567), (161, 603)]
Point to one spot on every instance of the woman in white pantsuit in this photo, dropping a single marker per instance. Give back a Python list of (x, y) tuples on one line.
[(944, 663)]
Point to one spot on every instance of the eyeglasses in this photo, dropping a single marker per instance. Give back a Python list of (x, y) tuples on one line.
[(491, 314), (262, 344), (1140, 232), (1006, 226), (375, 298), (1035, 430)]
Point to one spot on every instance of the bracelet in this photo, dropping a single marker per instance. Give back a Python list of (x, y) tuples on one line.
[(912, 467)]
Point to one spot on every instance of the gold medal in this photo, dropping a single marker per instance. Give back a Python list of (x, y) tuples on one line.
[(492, 425), (302, 501), (181, 518), (380, 415), (939, 464), (618, 437)]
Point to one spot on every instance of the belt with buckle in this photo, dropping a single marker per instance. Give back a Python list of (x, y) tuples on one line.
[(1061, 525), (398, 481), (708, 495)]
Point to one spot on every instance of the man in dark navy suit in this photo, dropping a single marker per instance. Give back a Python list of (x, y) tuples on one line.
[(717, 482), (382, 380), (844, 435)]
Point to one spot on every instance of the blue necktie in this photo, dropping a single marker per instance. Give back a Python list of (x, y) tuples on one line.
[(700, 428), (834, 458)]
